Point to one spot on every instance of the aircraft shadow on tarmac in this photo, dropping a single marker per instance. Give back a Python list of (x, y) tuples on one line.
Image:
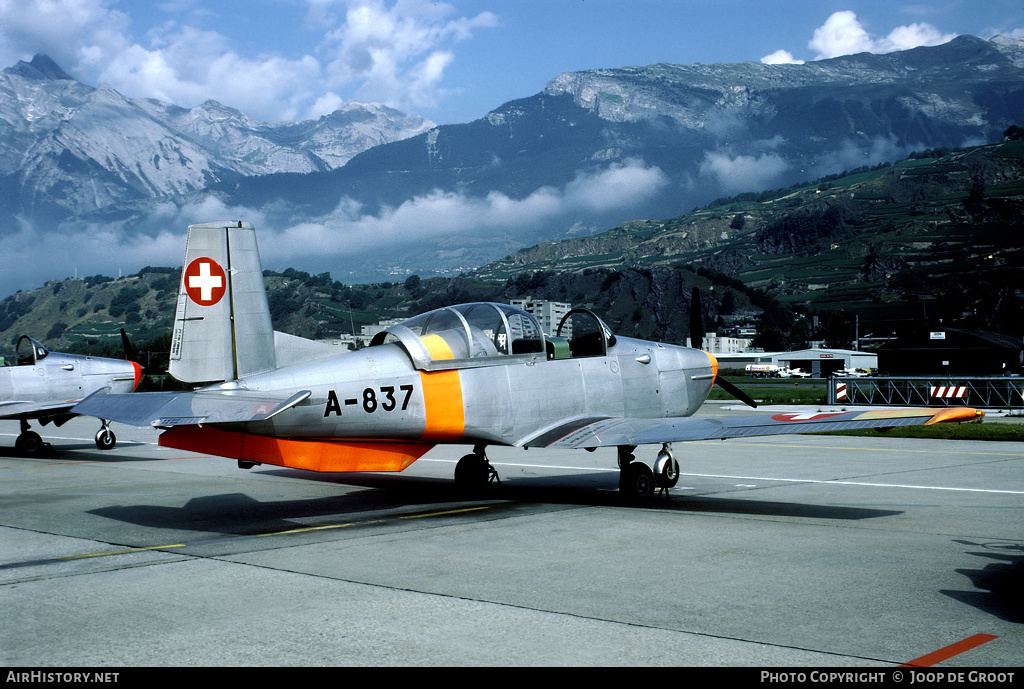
[(600, 489), (79, 451), (999, 576), (238, 513)]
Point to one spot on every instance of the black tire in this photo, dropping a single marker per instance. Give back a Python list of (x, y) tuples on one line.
[(105, 439), (471, 474), (638, 484), (29, 443), (668, 476)]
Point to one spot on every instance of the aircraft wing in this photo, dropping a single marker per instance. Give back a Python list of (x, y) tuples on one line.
[(605, 431), (166, 409), (15, 409)]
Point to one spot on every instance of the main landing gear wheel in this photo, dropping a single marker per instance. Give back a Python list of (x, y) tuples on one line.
[(105, 438), (474, 472), (29, 443), (637, 482)]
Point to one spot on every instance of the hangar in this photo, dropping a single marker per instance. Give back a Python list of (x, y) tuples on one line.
[(819, 362), (954, 352)]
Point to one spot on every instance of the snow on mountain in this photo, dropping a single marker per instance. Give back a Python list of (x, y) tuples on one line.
[(67, 148)]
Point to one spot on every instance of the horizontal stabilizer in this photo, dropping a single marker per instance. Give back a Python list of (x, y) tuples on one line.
[(166, 409), (291, 350), (603, 432)]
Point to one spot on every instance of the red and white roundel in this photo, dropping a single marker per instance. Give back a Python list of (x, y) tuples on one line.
[(808, 416), (205, 281)]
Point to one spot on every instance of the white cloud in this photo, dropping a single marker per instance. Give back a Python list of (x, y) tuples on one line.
[(339, 238), (395, 53), (781, 57), (847, 155), (192, 66), (912, 36), (348, 230), (62, 29), (735, 174), (843, 34)]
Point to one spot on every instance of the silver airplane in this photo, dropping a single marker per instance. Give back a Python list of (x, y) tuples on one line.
[(477, 374), (44, 386)]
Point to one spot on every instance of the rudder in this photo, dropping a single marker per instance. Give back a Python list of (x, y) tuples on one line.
[(222, 328)]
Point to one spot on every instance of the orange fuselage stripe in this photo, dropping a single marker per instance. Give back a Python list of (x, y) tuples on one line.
[(442, 396)]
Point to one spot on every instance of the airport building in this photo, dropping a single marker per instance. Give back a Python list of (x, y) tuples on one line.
[(716, 344), (549, 313), (818, 362), (821, 363)]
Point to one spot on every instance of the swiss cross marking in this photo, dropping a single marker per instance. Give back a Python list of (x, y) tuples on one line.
[(205, 281)]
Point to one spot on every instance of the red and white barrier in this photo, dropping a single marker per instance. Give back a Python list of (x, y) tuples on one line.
[(948, 392)]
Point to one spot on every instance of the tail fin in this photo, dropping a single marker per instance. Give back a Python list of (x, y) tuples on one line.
[(222, 328)]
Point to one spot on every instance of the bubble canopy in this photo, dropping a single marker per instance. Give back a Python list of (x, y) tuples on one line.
[(480, 333)]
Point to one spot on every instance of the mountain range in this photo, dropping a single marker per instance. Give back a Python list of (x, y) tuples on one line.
[(95, 180), (68, 150), (932, 241)]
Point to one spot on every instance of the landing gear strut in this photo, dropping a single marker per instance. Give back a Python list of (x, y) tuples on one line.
[(474, 472), (666, 468)]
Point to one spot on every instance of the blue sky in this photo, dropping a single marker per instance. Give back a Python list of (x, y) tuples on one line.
[(448, 61)]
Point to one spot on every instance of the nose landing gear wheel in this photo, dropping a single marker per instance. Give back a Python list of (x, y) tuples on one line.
[(105, 439), (666, 468)]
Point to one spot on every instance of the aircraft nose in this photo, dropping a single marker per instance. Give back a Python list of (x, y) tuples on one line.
[(714, 365), (138, 375)]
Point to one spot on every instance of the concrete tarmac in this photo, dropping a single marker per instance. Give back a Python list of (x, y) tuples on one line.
[(789, 551)]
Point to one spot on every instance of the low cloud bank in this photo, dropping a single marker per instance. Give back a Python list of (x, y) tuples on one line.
[(346, 233)]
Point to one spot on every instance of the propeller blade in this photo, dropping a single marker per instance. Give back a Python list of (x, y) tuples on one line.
[(696, 320), (735, 392), (697, 342), (130, 352)]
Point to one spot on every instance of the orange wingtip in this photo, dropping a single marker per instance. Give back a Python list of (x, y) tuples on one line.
[(957, 414)]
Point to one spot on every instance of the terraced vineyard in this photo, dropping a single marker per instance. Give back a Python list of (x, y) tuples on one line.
[(878, 241)]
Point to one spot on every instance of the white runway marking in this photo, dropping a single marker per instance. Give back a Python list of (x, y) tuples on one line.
[(762, 478), (859, 483)]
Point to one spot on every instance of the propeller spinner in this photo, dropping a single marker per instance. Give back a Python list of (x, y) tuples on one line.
[(697, 341)]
